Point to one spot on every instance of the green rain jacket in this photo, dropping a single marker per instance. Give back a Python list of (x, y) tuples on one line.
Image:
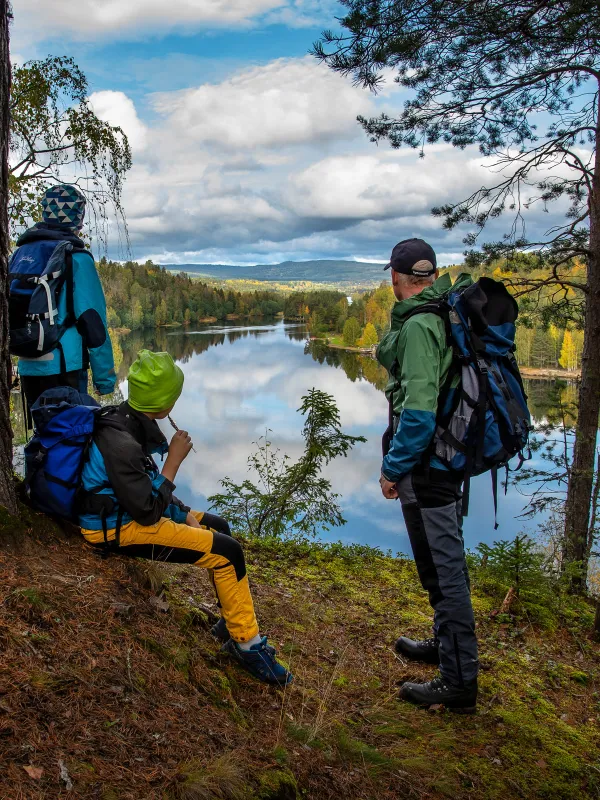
[(419, 348)]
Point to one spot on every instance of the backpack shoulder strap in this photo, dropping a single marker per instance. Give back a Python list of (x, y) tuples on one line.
[(441, 309), (438, 307), (69, 285)]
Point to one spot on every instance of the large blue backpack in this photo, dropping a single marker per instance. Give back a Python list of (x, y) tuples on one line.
[(64, 421), (483, 420), (38, 271)]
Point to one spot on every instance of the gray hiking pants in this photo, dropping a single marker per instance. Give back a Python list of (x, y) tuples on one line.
[(431, 505)]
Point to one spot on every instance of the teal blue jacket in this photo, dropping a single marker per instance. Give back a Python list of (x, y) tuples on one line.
[(89, 340)]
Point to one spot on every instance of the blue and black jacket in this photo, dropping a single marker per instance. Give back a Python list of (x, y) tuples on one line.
[(88, 341), (121, 482)]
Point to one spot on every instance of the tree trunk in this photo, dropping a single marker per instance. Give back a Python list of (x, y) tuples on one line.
[(579, 493), (7, 488)]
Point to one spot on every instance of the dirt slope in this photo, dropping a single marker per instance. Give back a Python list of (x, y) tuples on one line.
[(112, 688)]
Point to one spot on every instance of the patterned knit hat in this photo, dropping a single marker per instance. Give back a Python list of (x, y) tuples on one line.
[(64, 205)]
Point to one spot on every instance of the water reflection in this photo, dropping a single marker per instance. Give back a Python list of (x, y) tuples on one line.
[(185, 344)]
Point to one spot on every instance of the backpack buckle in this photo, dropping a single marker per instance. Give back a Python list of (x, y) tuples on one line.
[(40, 455)]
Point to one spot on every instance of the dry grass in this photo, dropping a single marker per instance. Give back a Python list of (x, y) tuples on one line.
[(221, 779)]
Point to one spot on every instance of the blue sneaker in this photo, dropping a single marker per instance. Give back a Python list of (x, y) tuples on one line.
[(260, 662), (219, 630)]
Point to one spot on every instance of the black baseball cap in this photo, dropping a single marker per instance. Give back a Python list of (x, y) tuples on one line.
[(413, 257)]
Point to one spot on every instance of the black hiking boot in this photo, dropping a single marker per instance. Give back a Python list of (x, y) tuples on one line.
[(219, 630), (426, 650), (439, 692)]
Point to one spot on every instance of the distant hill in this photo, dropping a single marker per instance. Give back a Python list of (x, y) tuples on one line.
[(326, 271)]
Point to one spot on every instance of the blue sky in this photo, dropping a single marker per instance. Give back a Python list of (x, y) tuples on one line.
[(246, 150)]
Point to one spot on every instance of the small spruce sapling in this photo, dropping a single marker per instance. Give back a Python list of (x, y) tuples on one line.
[(290, 500), (528, 569)]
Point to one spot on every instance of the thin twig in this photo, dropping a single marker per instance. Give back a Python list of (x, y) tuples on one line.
[(173, 425)]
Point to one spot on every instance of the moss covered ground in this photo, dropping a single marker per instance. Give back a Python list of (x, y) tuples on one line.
[(112, 688)]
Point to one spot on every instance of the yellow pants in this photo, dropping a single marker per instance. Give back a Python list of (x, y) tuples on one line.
[(179, 543)]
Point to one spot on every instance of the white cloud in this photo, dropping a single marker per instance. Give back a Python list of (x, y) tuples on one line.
[(118, 109), (383, 183), (270, 165), (89, 20), (286, 102)]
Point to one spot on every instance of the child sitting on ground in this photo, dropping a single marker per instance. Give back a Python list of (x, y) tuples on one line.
[(128, 506)]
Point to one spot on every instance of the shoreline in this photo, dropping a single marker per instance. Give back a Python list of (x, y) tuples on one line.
[(364, 351), (550, 372), (526, 372)]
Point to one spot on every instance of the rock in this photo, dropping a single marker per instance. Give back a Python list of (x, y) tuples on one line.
[(160, 603), (435, 708), (64, 775), (121, 609)]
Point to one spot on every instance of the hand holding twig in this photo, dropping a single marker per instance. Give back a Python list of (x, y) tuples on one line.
[(173, 425)]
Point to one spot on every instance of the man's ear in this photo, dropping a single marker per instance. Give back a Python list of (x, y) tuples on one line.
[(394, 277)]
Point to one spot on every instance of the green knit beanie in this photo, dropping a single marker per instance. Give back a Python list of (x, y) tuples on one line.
[(155, 382)]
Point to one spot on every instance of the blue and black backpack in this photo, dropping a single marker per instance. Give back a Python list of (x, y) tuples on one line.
[(483, 420), (64, 421), (38, 271)]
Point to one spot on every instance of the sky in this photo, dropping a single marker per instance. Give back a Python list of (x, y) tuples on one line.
[(247, 150)]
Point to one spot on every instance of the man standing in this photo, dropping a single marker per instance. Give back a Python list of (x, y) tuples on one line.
[(81, 307), (418, 357)]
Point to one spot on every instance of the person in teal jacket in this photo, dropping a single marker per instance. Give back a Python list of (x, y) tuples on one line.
[(418, 356), (87, 343)]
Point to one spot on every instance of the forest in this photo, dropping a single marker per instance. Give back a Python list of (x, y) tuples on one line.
[(147, 296), (361, 321)]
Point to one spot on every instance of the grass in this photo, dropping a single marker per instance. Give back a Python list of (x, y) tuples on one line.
[(139, 703), (222, 778)]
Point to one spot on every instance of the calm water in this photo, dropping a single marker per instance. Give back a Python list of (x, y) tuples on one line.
[(240, 381)]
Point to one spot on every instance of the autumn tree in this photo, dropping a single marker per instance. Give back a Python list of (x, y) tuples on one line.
[(520, 80), (7, 489), (369, 337), (56, 137), (568, 354), (556, 338), (351, 332)]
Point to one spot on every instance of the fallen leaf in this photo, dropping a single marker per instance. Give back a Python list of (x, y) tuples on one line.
[(34, 772), (541, 764)]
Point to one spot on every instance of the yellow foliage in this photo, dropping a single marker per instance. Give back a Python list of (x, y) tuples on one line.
[(568, 355), (369, 337)]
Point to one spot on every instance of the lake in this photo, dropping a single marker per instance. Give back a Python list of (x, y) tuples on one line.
[(241, 380)]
